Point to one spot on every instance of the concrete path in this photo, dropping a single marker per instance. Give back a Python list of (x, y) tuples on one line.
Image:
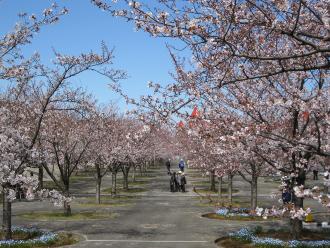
[(157, 219)]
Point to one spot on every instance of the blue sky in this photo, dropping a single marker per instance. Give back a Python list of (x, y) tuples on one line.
[(143, 57)]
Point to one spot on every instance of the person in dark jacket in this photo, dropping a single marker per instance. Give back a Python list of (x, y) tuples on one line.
[(181, 165), (286, 196), (183, 182), (172, 183), (174, 186), (168, 166)]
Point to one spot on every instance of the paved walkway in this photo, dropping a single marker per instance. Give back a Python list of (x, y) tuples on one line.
[(157, 219)]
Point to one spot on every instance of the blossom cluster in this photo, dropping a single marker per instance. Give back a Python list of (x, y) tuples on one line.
[(314, 193)]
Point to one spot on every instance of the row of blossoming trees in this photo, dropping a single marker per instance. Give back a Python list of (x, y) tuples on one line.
[(260, 74), (49, 126)]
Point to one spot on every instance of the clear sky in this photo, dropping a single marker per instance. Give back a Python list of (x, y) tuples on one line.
[(143, 57)]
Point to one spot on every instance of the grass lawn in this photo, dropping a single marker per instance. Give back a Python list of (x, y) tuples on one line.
[(106, 201), (208, 191), (59, 216), (136, 183), (231, 243), (145, 176), (238, 218), (207, 183), (121, 190), (212, 201)]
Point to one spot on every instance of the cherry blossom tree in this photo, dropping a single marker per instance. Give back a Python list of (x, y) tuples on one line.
[(66, 143), (236, 41), (105, 135), (264, 64), (33, 91)]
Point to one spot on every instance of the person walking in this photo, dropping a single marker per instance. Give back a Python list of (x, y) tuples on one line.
[(181, 165), (315, 174), (168, 166), (172, 182), (286, 196), (183, 182)]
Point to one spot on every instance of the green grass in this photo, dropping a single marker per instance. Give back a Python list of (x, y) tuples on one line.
[(121, 190), (145, 176), (208, 191), (136, 183), (105, 202), (74, 179), (195, 175), (212, 200), (50, 185), (59, 216), (21, 235), (235, 204), (237, 218), (207, 183), (232, 243), (66, 239)]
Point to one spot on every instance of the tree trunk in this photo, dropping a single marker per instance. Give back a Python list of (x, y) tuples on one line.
[(230, 189), (146, 166), (220, 189), (125, 171), (141, 169), (154, 159), (125, 181), (254, 192), (6, 216), (296, 228), (41, 177), (98, 190), (67, 209), (212, 181), (114, 184), (134, 171), (98, 181), (296, 224)]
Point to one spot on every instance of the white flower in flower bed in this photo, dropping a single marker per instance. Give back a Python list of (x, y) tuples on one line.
[(43, 237), (244, 212)]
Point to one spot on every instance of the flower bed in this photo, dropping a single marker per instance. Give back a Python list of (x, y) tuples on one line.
[(38, 238), (247, 212), (248, 236), (242, 212)]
